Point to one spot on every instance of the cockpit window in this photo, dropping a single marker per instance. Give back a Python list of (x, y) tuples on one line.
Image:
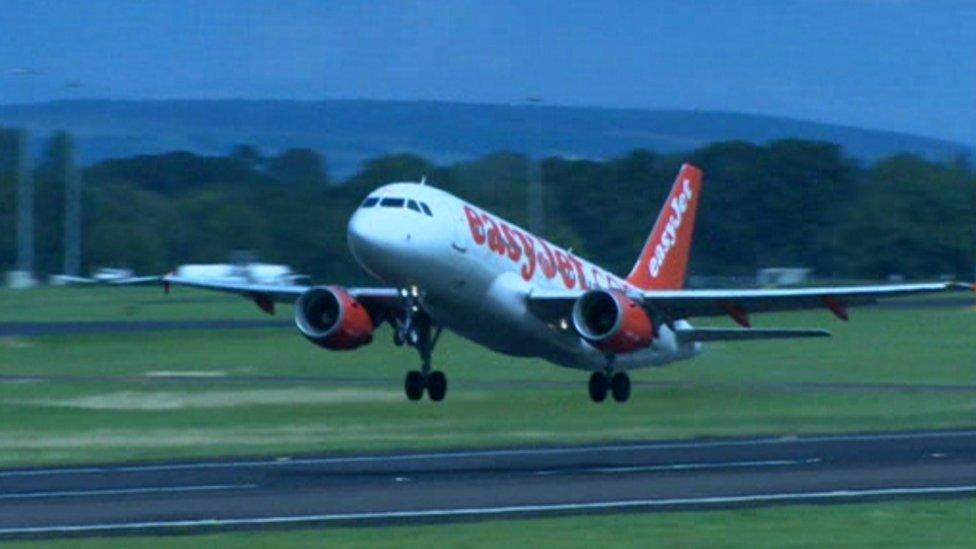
[(389, 202), (426, 209), (413, 206), (370, 202)]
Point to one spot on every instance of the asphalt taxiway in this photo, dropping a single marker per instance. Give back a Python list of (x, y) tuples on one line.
[(512, 482)]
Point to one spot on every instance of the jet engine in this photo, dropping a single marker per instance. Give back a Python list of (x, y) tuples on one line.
[(331, 318), (612, 322)]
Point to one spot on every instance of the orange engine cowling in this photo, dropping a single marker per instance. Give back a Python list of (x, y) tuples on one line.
[(612, 322), (329, 317)]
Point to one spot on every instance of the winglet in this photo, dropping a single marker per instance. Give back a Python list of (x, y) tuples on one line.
[(836, 307), (663, 263)]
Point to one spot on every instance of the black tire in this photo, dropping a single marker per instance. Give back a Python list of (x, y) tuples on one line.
[(599, 383), (436, 386), (620, 386), (414, 385)]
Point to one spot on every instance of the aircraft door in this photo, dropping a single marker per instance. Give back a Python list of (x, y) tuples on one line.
[(461, 236), (460, 252)]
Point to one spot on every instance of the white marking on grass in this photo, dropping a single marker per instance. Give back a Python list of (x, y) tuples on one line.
[(222, 398), (68, 444), (13, 342), (128, 491), (504, 510), (185, 373)]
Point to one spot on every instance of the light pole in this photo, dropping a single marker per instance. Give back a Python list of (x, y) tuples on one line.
[(25, 214), (534, 176), (72, 210)]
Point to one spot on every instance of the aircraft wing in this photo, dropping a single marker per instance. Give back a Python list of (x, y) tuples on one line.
[(701, 303), (739, 304), (266, 295)]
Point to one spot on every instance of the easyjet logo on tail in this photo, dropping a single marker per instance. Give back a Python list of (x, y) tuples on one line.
[(663, 262), (679, 205)]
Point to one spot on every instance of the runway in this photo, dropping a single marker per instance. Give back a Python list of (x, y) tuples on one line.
[(494, 483)]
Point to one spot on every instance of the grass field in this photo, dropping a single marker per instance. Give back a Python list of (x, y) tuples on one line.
[(189, 394), (356, 403), (947, 524)]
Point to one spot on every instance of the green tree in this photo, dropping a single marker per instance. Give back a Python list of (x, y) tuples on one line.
[(915, 218), (298, 165)]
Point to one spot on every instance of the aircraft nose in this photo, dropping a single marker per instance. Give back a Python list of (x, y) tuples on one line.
[(373, 242)]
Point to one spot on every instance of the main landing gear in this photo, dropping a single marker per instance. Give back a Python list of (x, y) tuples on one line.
[(418, 331), (617, 384)]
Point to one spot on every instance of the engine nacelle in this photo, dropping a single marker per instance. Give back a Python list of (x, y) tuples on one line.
[(612, 322), (329, 317)]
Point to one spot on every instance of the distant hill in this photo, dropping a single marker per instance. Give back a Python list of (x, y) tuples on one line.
[(349, 131)]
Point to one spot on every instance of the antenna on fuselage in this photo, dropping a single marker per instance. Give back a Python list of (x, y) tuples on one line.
[(423, 180)]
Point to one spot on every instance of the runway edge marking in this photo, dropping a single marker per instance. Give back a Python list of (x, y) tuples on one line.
[(127, 491), (489, 511)]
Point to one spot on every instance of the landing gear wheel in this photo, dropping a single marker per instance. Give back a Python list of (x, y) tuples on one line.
[(436, 385), (414, 384), (417, 330), (599, 383), (620, 386)]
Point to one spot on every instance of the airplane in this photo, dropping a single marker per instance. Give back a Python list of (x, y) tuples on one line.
[(103, 276), (447, 264)]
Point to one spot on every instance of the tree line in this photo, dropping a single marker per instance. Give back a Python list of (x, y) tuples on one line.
[(785, 203)]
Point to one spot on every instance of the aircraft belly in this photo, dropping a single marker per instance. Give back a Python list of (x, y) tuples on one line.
[(492, 313), (490, 309)]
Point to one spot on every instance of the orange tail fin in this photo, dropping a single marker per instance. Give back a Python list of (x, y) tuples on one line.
[(663, 262)]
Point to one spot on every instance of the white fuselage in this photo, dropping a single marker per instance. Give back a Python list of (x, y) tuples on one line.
[(475, 271)]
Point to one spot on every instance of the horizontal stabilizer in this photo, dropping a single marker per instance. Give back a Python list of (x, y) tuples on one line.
[(744, 334)]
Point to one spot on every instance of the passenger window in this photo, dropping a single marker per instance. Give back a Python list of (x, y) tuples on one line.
[(370, 202), (392, 202), (413, 206), (426, 209)]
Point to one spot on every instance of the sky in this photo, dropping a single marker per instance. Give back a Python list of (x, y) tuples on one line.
[(897, 65)]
